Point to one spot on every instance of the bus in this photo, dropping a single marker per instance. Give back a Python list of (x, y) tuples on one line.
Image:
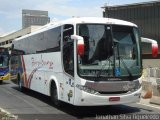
[(4, 64), (83, 61)]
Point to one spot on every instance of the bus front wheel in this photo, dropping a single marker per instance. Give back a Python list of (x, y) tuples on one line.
[(54, 95)]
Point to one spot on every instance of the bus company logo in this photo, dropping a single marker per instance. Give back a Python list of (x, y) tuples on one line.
[(41, 63)]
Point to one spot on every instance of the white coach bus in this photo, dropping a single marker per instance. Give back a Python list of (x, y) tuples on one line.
[(81, 61)]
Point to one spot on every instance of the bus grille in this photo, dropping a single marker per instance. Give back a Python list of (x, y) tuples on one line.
[(114, 87)]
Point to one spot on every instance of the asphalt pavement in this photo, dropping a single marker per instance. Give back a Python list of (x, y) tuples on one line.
[(31, 105)]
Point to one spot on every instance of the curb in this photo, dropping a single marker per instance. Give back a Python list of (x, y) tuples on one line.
[(5, 115), (151, 85), (146, 102)]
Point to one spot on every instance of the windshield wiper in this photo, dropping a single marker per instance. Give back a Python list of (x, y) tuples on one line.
[(103, 67), (121, 59)]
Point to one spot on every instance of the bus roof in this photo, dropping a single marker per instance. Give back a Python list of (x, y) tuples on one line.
[(98, 20), (80, 20)]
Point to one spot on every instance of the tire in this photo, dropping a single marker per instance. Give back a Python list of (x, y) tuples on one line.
[(1, 81), (54, 95)]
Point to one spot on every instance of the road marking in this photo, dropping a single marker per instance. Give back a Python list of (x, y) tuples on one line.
[(149, 105)]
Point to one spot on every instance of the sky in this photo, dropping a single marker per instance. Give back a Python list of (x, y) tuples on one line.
[(11, 10)]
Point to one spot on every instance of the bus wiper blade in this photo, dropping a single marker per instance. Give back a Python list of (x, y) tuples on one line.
[(121, 59), (124, 64)]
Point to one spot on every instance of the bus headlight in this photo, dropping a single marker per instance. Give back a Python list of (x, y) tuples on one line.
[(86, 89)]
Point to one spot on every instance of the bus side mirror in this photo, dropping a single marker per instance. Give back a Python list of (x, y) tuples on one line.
[(154, 45), (154, 50), (80, 44)]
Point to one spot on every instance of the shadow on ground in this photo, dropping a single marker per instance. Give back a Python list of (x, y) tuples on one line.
[(83, 112), (4, 83)]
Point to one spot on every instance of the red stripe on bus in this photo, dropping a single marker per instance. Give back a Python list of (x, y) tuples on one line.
[(27, 82), (31, 76), (24, 72)]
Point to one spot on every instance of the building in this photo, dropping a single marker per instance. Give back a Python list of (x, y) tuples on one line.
[(146, 15), (31, 21), (6, 40), (34, 17)]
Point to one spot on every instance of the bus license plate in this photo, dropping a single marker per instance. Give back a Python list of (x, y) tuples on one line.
[(112, 99)]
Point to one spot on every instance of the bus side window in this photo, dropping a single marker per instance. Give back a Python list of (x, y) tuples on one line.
[(68, 50)]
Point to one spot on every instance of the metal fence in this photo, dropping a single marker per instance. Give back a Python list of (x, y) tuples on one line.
[(145, 15)]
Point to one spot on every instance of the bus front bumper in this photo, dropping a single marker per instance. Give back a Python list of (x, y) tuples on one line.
[(5, 77), (88, 99)]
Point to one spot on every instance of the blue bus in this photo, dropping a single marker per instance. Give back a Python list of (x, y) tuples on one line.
[(4, 64)]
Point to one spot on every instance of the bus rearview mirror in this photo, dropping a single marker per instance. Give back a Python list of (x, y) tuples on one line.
[(154, 45), (80, 47), (154, 50), (80, 44)]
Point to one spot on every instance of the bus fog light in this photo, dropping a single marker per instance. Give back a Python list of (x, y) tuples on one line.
[(86, 89)]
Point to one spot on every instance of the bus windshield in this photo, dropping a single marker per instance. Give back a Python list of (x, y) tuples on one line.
[(4, 57), (3, 60), (110, 51)]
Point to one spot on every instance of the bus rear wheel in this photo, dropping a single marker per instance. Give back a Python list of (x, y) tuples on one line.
[(54, 95)]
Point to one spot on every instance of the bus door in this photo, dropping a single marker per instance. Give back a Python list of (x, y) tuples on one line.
[(68, 63)]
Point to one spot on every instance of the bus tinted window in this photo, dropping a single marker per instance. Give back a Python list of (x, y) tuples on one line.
[(48, 41)]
